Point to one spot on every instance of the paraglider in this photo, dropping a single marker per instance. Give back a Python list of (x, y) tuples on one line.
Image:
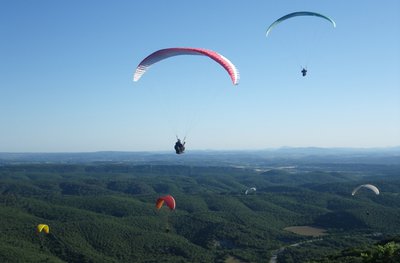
[(171, 52), (179, 147), (294, 14), (168, 200), (368, 186), (163, 54), (43, 228), (250, 190)]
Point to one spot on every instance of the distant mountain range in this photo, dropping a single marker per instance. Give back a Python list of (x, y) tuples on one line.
[(253, 158)]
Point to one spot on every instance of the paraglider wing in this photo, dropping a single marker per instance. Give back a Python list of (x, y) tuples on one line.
[(368, 186), (251, 189), (301, 13), (171, 52), (159, 203), (168, 200), (43, 227)]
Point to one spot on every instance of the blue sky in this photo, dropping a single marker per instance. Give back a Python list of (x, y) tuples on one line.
[(66, 72)]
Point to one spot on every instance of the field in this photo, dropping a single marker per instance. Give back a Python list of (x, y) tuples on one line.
[(306, 231)]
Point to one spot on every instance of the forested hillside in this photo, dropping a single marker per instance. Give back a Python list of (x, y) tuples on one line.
[(105, 212)]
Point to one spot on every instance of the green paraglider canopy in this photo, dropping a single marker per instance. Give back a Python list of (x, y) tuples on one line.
[(301, 13)]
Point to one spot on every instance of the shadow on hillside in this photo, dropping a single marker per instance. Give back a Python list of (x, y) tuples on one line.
[(340, 220)]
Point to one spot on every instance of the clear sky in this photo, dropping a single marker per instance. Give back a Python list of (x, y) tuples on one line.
[(66, 72)]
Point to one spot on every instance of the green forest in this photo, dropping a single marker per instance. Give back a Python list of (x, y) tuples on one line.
[(105, 212)]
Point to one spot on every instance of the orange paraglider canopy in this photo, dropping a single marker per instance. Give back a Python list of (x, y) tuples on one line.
[(169, 201)]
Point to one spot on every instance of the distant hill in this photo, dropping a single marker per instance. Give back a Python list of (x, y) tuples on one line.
[(253, 159)]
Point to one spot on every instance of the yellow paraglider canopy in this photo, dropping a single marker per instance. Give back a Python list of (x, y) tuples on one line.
[(43, 227)]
